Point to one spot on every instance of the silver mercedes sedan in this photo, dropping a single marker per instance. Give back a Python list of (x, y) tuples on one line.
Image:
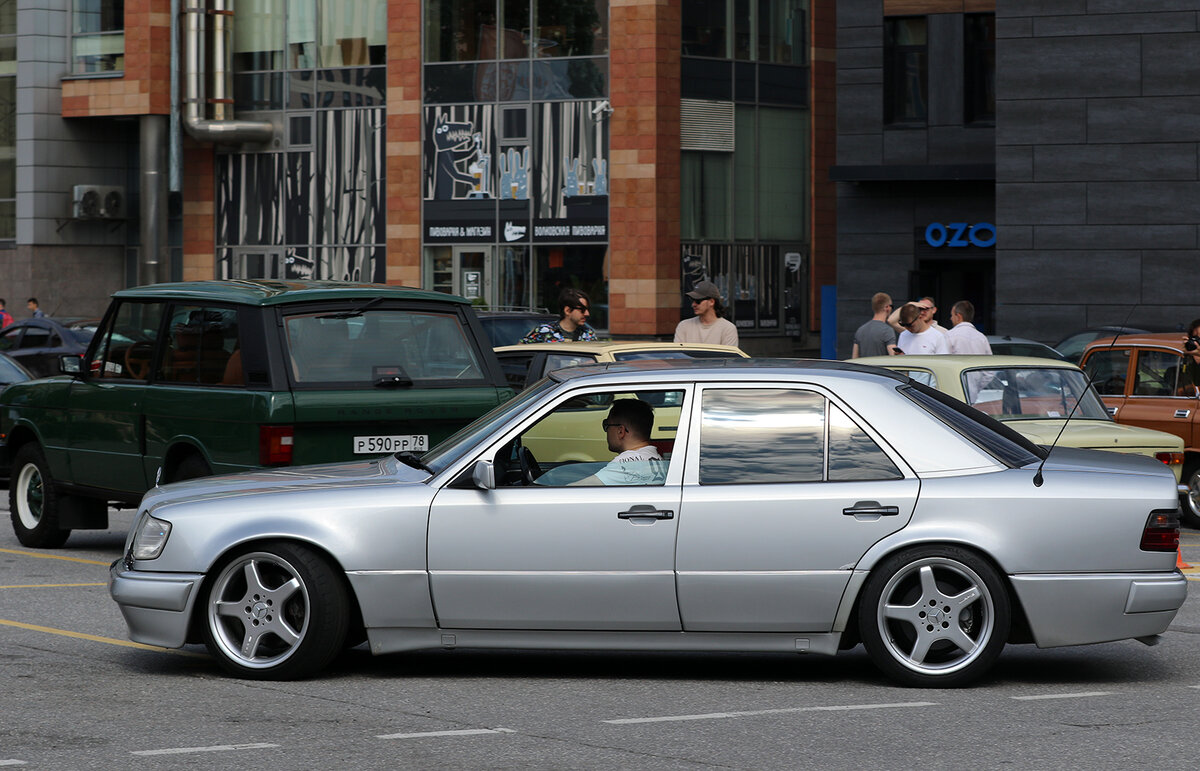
[(731, 505)]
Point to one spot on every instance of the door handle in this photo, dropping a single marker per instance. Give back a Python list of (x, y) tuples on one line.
[(646, 512), (869, 508), (1112, 411), (1182, 413)]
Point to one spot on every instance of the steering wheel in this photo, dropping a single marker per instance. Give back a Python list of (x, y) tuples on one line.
[(530, 470), (137, 360)]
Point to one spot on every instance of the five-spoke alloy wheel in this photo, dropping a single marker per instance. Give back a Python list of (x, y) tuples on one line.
[(934, 616), (277, 612)]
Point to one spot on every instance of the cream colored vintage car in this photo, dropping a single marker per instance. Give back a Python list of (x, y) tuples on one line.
[(1034, 396)]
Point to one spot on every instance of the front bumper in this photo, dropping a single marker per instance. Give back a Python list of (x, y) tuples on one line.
[(1075, 609), (157, 606)]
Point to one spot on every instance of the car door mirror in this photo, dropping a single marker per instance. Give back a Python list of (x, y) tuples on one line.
[(70, 364), (1191, 391), (483, 474)]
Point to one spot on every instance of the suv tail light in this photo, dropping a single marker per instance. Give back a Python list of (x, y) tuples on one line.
[(1162, 531), (275, 445), (1172, 459)]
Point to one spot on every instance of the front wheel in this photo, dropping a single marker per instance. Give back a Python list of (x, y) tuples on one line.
[(934, 616), (279, 612), (33, 501)]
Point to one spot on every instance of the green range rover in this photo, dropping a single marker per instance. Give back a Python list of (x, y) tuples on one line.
[(211, 377)]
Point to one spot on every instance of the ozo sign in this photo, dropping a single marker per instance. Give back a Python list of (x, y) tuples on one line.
[(981, 234)]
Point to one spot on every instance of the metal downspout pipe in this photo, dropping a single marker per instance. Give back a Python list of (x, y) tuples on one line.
[(155, 263), (222, 128)]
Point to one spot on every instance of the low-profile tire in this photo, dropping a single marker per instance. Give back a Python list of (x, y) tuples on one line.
[(934, 616), (1190, 501), (193, 467), (277, 611), (33, 501)]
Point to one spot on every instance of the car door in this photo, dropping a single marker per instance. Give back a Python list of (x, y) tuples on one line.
[(563, 553), (782, 494), (1154, 398), (106, 433), (1108, 370)]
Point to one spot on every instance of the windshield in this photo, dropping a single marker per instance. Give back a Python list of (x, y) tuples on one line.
[(364, 345), (460, 443), (1032, 393), (673, 353)]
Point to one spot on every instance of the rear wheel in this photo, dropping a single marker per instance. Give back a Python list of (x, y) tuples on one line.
[(33, 501), (934, 616), (1191, 499), (277, 612)]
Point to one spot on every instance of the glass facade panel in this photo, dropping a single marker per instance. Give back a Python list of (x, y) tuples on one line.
[(705, 183), (781, 31), (782, 174), (979, 80), (456, 83), (8, 123), (574, 28), (454, 29), (906, 74), (98, 38), (706, 28), (352, 33), (258, 92), (258, 35), (744, 164), (570, 79), (514, 40), (579, 266)]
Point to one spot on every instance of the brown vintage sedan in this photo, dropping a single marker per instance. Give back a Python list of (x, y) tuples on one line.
[(1143, 382)]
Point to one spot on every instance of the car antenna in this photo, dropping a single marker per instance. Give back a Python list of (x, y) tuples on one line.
[(1037, 477)]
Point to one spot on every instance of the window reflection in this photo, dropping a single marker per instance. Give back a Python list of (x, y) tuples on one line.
[(854, 456), (760, 435)]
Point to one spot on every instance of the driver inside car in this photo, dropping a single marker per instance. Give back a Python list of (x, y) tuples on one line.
[(627, 429)]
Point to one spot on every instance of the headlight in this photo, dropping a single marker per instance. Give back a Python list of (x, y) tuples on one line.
[(151, 538)]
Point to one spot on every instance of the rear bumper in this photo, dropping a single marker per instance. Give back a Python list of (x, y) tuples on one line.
[(156, 606), (1074, 609)]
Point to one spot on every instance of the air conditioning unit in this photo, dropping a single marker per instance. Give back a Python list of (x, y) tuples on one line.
[(98, 202)]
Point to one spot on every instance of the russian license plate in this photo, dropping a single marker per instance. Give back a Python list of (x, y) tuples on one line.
[(377, 445)]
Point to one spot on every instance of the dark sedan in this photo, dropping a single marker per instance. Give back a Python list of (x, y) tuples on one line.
[(37, 343)]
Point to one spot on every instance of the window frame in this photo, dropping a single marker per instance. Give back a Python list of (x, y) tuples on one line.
[(895, 73), (74, 36)]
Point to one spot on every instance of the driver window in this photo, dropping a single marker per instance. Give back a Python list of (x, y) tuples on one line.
[(596, 439), (126, 343), (1156, 373)]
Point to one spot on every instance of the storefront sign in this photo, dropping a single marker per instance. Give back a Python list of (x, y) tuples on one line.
[(959, 234)]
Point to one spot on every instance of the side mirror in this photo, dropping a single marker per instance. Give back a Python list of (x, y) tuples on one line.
[(70, 364), (483, 474), (1192, 391)]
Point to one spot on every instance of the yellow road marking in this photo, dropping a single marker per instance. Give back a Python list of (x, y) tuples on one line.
[(53, 557), (46, 586), (96, 638)]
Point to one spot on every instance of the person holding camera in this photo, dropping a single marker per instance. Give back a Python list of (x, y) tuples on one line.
[(1189, 374)]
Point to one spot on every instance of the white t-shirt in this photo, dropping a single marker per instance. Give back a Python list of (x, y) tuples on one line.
[(965, 338), (929, 341), (720, 332), (643, 466)]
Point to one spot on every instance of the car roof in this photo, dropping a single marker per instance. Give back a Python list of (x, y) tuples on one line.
[(726, 368), (617, 346), (509, 312), (267, 292), (1011, 339), (1173, 340)]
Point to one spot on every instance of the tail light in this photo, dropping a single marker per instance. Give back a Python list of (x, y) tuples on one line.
[(1162, 531), (275, 445), (1172, 459)]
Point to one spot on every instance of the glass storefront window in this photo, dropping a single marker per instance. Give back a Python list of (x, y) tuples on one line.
[(782, 200), (580, 266), (97, 35), (905, 70), (705, 182), (781, 31)]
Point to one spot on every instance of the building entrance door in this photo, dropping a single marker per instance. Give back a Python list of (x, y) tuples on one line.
[(464, 271)]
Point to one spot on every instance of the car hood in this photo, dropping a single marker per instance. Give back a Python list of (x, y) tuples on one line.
[(328, 475), (1096, 435)]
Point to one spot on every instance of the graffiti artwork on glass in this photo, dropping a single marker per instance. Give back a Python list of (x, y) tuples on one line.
[(458, 153), (570, 147), (514, 174)]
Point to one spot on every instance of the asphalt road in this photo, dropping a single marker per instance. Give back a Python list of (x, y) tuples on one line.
[(76, 694)]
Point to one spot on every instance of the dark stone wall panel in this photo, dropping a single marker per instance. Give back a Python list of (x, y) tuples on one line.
[(1068, 163), (1165, 203), (859, 149), (1011, 8), (1041, 203), (1048, 68), (1171, 64), (905, 146), (1115, 24), (1053, 237), (1162, 271), (859, 109), (1070, 277), (1014, 164), (1147, 119), (1035, 122)]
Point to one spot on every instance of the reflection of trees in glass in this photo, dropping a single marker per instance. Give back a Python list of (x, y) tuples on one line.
[(579, 22)]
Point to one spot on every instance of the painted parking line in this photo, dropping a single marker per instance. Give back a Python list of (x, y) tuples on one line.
[(47, 586), (756, 712), (1081, 695), (463, 732), (214, 748), (96, 638), (11, 762), (39, 555)]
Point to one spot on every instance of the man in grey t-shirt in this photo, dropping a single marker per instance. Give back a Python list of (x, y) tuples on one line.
[(876, 337)]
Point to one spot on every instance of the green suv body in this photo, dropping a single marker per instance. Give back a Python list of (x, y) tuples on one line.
[(212, 377)]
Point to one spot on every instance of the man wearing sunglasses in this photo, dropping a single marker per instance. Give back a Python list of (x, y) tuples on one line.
[(573, 311), (707, 326), (627, 429), (918, 336)]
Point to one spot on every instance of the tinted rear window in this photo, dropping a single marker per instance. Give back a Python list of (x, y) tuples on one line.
[(363, 348)]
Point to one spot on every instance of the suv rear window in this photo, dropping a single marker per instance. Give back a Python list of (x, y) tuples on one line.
[(380, 344)]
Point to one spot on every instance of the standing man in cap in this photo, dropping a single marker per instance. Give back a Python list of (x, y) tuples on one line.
[(707, 326)]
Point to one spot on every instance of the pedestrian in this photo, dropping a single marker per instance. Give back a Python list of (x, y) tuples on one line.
[(1189, 373), (963, 337), (706, 326), (928, 310), (573, 311), (32, 305), (876, 337), (5, 317), (918, 336), (932, 317)]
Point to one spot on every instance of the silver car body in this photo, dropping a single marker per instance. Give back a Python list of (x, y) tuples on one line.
[(432, 562)]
